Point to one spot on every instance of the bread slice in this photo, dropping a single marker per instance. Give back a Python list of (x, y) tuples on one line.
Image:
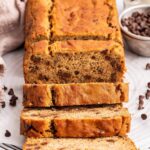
[(76, 122), (89, 50), (107, 143), (46, 95), (74, 62)]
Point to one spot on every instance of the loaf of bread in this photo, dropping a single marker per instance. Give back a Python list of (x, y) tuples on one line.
[(76, 122), (107, 143), (73, 42), (46, 95)]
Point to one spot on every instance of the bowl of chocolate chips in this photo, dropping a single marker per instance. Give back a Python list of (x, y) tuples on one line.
[(135, 26)]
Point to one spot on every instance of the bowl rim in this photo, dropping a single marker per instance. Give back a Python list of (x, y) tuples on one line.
[(128, 32)]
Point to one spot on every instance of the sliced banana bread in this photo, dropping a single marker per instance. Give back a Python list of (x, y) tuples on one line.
[(76, 122), (107, 143), (46, 95), (87, 50), (74, 62)]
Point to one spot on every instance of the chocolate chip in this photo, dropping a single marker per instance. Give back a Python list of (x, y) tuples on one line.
[(147, 95), (5, 88), (14, 97), (1, 68), (141, 102), (3, 104), (7, 133), (141, 97), (63, 74), (110, 140), (148, 66), (35, 59), (11, 92), (44, 143), (135, 14), (12, 101), (144, 116), (76, 72), (148, 84), (87, 77), (43, 77)]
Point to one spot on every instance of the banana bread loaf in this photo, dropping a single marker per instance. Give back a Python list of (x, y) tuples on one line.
[(46, 95), (74, 42), (107, 143), (76, 122)]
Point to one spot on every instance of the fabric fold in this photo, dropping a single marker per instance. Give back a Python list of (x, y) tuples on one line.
[(11, 27)]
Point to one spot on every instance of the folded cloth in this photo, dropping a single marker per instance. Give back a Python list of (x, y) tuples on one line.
[(11, 25)]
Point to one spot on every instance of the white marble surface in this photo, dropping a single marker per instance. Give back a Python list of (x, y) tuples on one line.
[(136, 75)]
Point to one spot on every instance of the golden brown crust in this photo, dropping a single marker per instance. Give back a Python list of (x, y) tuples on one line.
[(83, 122), (105, 127), (90, 18), (43, 95), (86, 46), (35, 128), (37, 20)]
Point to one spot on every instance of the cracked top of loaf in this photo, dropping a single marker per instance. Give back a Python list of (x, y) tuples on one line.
[(93, 18), (72, 19)]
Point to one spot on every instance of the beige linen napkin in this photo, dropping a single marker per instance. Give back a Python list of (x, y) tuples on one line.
[(11, 30), (11, 26)]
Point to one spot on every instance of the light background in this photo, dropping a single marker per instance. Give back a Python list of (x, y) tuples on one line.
[(136, 75)]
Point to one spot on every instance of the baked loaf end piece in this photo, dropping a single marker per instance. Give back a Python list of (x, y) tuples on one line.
[(74, 61), (46, 95), (108, 143), (74, 42), (76, 122)]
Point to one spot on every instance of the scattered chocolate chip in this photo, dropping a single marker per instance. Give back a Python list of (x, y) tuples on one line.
[(144, 116), (148, 84), (5, 88), (148, 66), (7, 133), (141, 97), (141, 102), (3, 104), (14, 97), (12, 101), (11, 92), (147, 95)]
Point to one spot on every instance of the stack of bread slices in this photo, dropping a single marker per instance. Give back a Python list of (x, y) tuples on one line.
[(74, 66)]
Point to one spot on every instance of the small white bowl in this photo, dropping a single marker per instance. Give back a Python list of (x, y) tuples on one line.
[(136, 43)]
